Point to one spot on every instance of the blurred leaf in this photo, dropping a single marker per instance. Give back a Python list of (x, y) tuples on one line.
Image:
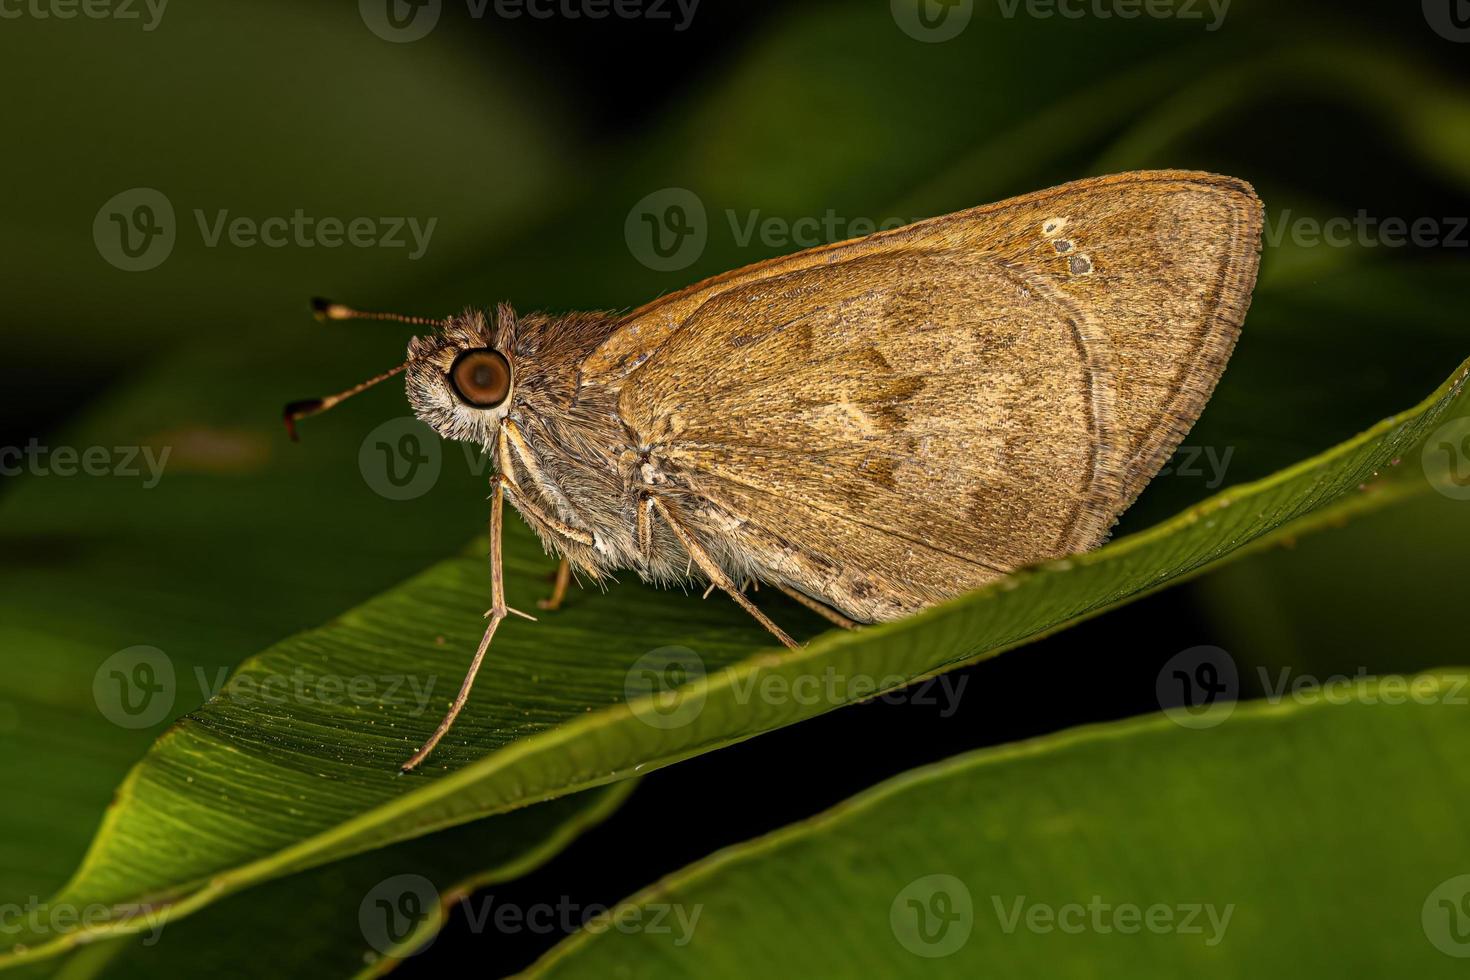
[(805, 134), (287, 112), (252, 786), (1425, 116), (1289, 841), (362, 916), (1369, 599)]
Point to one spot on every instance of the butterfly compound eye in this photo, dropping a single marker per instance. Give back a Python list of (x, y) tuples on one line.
[(480, 378)]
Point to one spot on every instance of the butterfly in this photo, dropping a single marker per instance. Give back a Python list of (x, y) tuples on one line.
[(872, 426)]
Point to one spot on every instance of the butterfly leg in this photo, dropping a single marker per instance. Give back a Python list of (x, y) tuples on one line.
[(498, 612), (510, 437), (537, 514), (559, 589), (820, 608), (712, 569)]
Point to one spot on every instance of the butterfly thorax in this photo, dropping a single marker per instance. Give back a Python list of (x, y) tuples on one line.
[(566, 449)]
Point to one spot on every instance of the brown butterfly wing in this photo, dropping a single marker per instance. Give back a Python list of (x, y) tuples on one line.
[(887, 422)]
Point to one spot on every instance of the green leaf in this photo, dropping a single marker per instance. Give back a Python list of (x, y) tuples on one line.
[(1304, 838), (249, 788), (364, 915)]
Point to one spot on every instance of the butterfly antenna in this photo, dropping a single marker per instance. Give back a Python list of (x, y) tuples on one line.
[(325, 309), (314, 406)]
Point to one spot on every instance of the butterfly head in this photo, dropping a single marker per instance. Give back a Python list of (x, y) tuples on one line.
[(460, 376)]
